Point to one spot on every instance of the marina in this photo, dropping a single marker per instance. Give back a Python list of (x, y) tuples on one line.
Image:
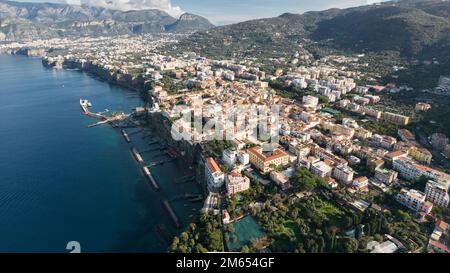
[(106, 198)]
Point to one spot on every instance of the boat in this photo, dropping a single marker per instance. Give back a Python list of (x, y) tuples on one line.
[(85, 103)]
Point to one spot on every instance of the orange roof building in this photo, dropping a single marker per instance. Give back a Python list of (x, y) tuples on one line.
[(263, 161)]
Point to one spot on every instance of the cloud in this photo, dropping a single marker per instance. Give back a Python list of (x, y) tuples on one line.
[(165, 5)]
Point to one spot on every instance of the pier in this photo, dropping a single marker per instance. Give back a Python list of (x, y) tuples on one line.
[(160, 162), (150, 177), (137, 156), (172, 214), (125, 136), (186, 179), (85, 104), (154, 150)]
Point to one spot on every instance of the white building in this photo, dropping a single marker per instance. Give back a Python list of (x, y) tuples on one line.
[(414, 200), (343, 174), (229, 157), (437, 192), (281, 180), (321, 169), (236, 183), (213, 174), (410, 170), (385, 176), (243, 157), (310, 101)]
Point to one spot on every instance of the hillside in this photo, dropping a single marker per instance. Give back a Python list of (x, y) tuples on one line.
[(410, 27)]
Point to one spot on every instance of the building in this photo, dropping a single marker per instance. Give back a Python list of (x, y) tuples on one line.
[(406, 135), (214, 176), (264, 161), (281, 180), (343, 174), (361, 183), (361, 89), (229, 157), (310, 101), (437, 242), (421, 154), (422, 106), (362, 133), (396, 118), (414, 200), (321, 169), (385, 176), (236, 182), (410, 170), (393, 156), (243, 157), (437, 192)]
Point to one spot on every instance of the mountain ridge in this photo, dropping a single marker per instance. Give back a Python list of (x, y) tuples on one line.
[(410, 27), (22, 20)]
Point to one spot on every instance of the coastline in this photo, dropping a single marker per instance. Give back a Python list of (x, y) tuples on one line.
[(156, 123)]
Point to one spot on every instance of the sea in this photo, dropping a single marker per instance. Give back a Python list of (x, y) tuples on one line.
[(61, 181)]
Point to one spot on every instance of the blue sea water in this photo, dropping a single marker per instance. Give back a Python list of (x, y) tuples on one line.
[(61, 181)]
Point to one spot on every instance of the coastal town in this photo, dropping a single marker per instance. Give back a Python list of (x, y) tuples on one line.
[(347, 174)]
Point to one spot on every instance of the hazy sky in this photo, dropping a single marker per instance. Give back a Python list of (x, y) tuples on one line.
[(223, 11)]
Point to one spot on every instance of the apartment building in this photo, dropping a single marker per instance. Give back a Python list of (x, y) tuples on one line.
[(437, 192), (414, 200), (385, 176), (396, 118), (236, 182), (410, 170), (343, 174), (321, 169)]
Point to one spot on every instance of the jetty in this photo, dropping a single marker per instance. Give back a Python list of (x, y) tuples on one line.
[(85, 104), (137, 155), (160, 162), (172, 214), (125, 136), (150, 177)]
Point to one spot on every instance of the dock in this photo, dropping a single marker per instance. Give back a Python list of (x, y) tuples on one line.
[(172, 214), (125, 136), (137, 156), (150, 177), (85, 104), (85, 107), (161, 162)]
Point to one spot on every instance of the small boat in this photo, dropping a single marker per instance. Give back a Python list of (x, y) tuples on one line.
[(85, 103)]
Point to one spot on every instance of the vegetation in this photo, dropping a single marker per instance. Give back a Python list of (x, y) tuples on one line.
[(305, 180), (202, 237)]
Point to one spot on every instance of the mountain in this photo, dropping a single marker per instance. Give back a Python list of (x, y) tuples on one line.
[(189, 23), (411, 27), (20, 20)]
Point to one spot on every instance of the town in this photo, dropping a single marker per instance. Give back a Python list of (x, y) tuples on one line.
[(348, 174)]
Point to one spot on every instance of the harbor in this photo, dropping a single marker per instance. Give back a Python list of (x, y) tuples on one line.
[(179, 191), (104, 199)]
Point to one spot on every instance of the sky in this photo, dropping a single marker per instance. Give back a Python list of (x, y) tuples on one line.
[(222, 12)]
